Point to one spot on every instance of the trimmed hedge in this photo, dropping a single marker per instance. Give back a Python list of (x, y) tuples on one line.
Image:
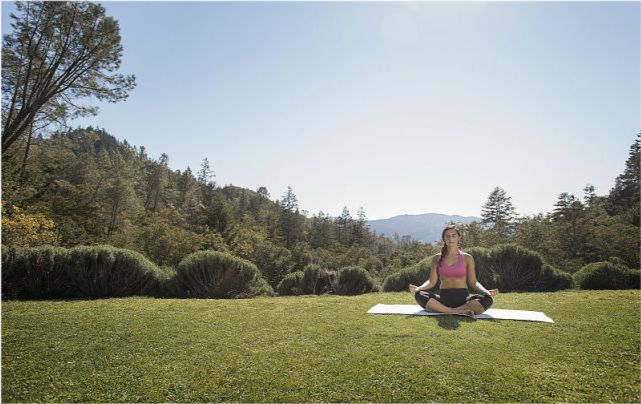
[(607, 275), (106, 271), (353, 281), (213, 274)]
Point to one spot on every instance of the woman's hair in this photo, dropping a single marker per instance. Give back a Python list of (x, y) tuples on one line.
[(444, 249)]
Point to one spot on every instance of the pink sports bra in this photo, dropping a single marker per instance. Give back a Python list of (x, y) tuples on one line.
[(456, 271)]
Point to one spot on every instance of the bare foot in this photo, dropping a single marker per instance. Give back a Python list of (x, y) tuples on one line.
[(469, 313)]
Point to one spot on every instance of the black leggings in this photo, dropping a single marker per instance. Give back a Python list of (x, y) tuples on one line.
[(452, 298)]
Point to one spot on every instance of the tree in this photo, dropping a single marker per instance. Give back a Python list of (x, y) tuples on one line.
[(205, 174), (588, 195), (156, 183), (624, 197), (499, 214), (360, 227), (344, 227), (567, 214), (290, 220), (58, 52)]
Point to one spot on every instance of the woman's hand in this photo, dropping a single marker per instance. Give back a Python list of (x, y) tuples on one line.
[(493, 292), (413, 288)]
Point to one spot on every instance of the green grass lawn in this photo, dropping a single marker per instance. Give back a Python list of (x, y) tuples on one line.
[(320, 348)]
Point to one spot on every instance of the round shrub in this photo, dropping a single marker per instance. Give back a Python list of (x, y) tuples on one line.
[(552, 279), (484, 270), (353, 281), (214, 275), (311, 280), (415, 274), (633, 279), (291, 284), (35, 273), (106, 271), (605, 275), (520, 269)]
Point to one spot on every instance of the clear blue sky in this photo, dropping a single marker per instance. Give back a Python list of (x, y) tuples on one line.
[(396, 107)]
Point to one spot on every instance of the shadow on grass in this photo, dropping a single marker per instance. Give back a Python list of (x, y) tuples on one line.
[(450, 322)]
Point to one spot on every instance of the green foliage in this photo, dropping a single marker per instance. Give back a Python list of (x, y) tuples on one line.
[(415, 274), (520, 269), (484, 270), (353, 281), (273, 261), (291, 284), (624, 198), (606, 275), (106, 271), (35, 273), (212, 274), (57, 53), (311, 280)]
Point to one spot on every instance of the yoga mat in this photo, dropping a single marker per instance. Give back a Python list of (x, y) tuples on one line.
[(502, 314)]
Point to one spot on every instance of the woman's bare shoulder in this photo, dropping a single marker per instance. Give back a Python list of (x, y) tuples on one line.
[(436, 257), (467, 256)]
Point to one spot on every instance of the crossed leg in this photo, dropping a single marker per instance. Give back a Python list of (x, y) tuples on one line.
[(472, 305), (435, 305)]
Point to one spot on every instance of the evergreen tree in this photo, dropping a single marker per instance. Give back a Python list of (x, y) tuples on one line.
[(498, 214), (624, 197), (567, 213), (205, 174), (290, 220), (344, 225), (360, 228), (58, 52)]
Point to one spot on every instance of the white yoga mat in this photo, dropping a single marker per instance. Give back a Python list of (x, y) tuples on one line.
[(502, 314)]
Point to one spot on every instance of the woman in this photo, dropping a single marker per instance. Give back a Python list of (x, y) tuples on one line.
[(456, 270)]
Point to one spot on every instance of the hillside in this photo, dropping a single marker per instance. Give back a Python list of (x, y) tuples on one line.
[(426, 227)]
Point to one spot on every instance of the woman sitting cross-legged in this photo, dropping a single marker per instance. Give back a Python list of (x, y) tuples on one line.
[(456, 270)]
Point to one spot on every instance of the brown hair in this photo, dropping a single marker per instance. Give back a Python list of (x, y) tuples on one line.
[(444, 249)]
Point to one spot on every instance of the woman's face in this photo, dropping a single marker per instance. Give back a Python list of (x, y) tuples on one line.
[(451, 237)]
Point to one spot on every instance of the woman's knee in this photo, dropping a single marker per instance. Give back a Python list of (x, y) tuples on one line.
[(486, 302), (422, 298)]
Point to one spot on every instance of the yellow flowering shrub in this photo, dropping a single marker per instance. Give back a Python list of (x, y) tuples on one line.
[(26, 229)]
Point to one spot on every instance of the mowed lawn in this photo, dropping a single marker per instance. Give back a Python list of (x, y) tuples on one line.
[(320, 348)]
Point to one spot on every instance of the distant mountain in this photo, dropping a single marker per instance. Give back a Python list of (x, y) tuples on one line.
[(426, 227)]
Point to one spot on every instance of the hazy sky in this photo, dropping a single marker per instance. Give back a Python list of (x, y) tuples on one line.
[(396, 107)]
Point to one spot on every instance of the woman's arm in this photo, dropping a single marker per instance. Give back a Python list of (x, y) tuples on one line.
[(432, 281), (473, 282)]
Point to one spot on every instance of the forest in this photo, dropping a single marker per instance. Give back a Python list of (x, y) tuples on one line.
[(85, 187)]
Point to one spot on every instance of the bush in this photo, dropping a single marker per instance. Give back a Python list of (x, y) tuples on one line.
[(212, 274), (106, 271), (552, 279), (35, 273), (633, 279), (606, 275), (484, 270), (291, 284), (520, 269), (416, 274), (311, 280), (273, 261), (353, 281)]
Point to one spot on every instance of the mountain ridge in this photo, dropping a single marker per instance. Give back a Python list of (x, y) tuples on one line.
[(425, 227)]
